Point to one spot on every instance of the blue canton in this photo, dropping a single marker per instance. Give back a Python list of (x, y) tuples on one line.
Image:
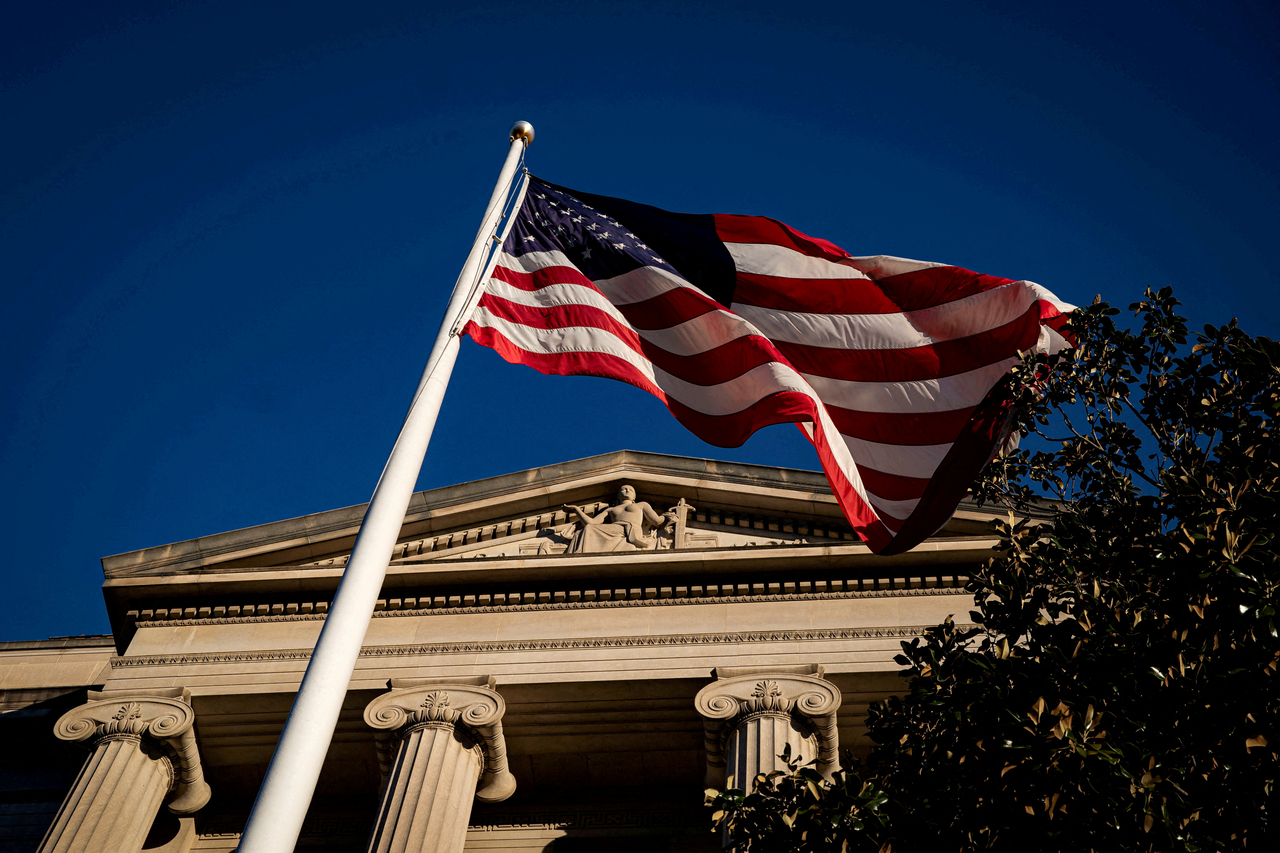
[(597, 244)]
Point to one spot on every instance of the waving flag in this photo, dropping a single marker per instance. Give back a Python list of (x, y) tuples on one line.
[(892, 367)]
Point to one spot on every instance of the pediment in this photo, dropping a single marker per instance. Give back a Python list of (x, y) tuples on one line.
[(717, 505)]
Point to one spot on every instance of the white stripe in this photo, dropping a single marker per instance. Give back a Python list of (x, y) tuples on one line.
[(768, 259), (883, 266), (634, 286), (556, 296), (702, 333), (844, 457), (841, 456), (1041, 293), (706, 332), (923, 395), (1051, 341), (971, 315), (899, 460), (894, 509), (725, 398), (534, 261)]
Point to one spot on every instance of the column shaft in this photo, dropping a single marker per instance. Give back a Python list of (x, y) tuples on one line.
[(114, 801), (430, 790), (754, 745)]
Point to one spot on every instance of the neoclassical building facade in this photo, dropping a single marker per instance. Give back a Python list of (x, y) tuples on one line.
[(561, 660)]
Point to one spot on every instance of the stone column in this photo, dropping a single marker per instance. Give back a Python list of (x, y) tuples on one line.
[(440, 747), (144, 749), (751, 713)]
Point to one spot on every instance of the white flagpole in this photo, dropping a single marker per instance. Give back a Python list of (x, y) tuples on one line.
[(286, 791)]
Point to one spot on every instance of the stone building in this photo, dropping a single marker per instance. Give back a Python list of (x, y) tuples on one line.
[(525, 684)]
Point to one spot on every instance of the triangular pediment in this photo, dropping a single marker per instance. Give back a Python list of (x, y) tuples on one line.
[(716, 505)]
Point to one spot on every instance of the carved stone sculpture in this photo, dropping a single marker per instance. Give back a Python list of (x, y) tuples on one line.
[(628, 525), (144, 750), (751, 713), (440, 746)]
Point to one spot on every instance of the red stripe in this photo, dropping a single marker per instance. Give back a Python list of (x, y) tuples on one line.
[(668, 309), (945, 358), (1057, 321), (950, 482), (542, 277), (662, 311), (861, 515), (892, 487), (909, 291), (902, 428), (732, 228), (711, 367), (553, 317)]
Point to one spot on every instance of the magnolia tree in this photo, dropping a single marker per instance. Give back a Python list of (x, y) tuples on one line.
[(1116, 687)]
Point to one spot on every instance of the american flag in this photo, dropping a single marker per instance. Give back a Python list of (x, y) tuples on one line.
[(891, 367)]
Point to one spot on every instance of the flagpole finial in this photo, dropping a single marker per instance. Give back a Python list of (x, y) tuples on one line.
[(522, 130)]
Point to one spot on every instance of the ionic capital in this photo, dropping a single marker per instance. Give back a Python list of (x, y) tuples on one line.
[(164, 717), (740, 694), (470, 704)]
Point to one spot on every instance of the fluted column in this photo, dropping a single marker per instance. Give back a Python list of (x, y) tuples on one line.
[(752, 713), (144, 749), (441, 747)]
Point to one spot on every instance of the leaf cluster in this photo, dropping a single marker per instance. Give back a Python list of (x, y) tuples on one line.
[(1116, 688), (798, 811)]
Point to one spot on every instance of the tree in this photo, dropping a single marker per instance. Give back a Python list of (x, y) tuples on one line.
[(1117, 689)]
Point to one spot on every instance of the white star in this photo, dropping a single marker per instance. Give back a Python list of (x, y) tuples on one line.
[(586, 253), (632, 236), (656, 258), (619, 246), (642, 245), (530, 237), (577, 219), (593, 227), (604, 235)]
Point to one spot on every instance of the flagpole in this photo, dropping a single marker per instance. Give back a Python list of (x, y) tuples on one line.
[(281, 807)]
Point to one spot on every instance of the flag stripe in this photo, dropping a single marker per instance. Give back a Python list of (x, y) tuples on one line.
[(960, 318), (733, 228), (768, 259), (908, 291), (943, 358), (906, 428)]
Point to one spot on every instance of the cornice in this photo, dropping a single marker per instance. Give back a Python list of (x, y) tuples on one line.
[(655, 601), (533, 486), (533, 645)]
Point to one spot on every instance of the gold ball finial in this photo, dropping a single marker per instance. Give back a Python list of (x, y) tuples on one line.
[(522, 130)]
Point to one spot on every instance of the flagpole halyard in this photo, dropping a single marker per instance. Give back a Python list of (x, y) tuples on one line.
[(287, 788)]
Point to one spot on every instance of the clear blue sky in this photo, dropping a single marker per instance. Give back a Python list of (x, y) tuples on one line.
[(229, 228)]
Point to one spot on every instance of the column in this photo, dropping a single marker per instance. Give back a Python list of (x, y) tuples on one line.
[(440, 747), (751, 713), (144, 750)]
